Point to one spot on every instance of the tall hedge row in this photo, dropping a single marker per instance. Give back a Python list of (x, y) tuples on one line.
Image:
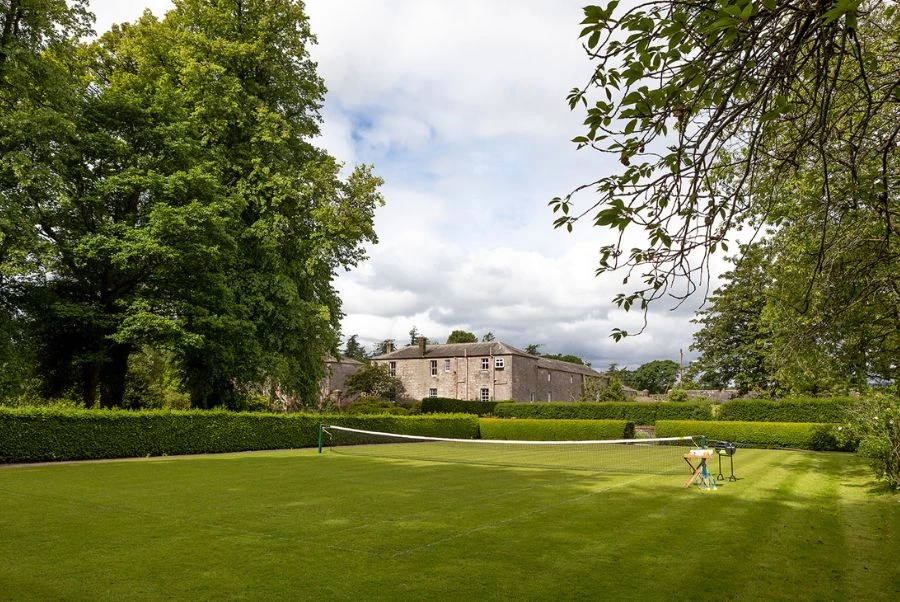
[(638, 413), (799, 435), (41, 434), (786, 410), (446, 405), (542, 429)]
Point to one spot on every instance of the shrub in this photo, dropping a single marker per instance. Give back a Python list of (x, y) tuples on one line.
[(800, 435), (446, 405), (638, 413), (875, 424), (554, 430), (374, 405), (46, 434), (678, 395), (801, 409)]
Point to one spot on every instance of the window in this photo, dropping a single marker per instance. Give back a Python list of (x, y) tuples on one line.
[(432, 392), (446, 365), (485, 363), (434, 367), (571, 379), (485, 394), (499, 363), (548, 377), (392, 368), (532, 397)]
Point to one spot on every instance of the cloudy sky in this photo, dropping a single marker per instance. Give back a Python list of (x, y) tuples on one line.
[(460, 105)]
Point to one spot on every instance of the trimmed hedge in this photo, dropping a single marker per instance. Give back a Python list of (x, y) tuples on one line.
[(808, 409), (636, 412), (800, 435), (47, 434), (542, 429), (447, 405)]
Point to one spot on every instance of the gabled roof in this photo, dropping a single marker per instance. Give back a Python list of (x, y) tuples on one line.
[(330, 359), (453, 350), (448, 350)]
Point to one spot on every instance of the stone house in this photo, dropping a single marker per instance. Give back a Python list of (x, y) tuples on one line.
[(336, 372), (484, 371)]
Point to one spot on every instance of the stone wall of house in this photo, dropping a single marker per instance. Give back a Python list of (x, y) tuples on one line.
[(455, 377), (519, 379)]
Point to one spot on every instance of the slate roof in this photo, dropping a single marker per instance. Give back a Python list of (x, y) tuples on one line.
[(446, 350)]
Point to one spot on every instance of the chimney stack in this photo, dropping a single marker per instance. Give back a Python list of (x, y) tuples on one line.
[(389, 346), (422, 342)]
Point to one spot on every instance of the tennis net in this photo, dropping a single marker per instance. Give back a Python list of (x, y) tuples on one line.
[(642, 456)]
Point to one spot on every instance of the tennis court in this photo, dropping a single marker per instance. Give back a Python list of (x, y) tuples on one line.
[(300, 525)]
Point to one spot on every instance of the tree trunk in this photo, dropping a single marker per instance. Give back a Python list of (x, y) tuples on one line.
[(90, 378), (112, 386)]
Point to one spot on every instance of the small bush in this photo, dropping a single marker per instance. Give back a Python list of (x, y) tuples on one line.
[(799, 435), (801, 409), (446, 405), (678, 395), (554, 430), (638, 413), (47, 434), (874, 423)]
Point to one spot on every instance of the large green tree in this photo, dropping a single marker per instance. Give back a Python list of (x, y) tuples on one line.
[(189, 209), (656, 376), (746, 113), (732, 341), (462, 336)]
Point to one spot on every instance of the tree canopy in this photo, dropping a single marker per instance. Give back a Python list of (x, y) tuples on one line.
[(375, 380), (161, 189), (462, 336), (773, 117), (655, 377)]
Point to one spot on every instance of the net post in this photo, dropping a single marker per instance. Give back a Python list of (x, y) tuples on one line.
[(321, 431)]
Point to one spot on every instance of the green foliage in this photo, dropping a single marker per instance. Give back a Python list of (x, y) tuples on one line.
[(801, 409), (595, 389), (638, 413), (732, 339), (799, 435), (678, 395), (712, 109), (375, 405), (172, 198), (47, 434), (356, 351), (874, 423), (613, 391), (656, 376), (446, 405), (375, 380), (554, 430), (462, 336)]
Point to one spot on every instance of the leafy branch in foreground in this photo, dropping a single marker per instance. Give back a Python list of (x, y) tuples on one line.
[(715, 109)]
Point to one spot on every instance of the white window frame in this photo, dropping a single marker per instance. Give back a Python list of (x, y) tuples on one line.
[(485, 394), (485, 364), (434, 371), (499, 363), (432, 392), (446, 365), (392, 368)]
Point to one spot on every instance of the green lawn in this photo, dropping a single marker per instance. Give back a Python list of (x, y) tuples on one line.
[(299, 525)]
